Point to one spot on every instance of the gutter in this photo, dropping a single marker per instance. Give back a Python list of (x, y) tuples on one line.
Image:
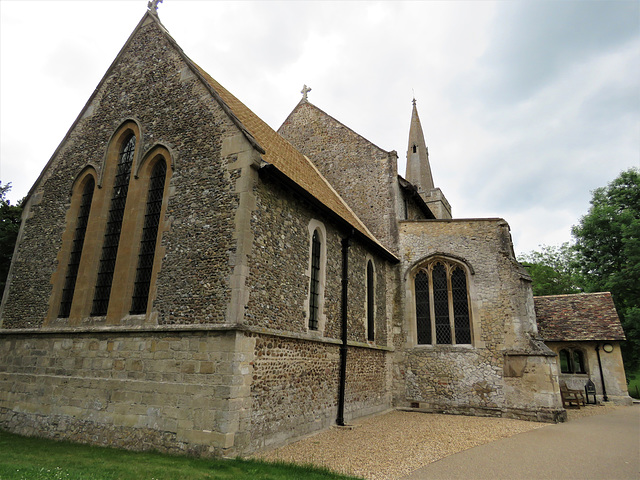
[(346, 242)]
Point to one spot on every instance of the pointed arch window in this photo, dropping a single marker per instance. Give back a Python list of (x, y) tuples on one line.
[(76, 249), (371, 326), (442, 304), (314, 287), (149, 238), (113, 228)]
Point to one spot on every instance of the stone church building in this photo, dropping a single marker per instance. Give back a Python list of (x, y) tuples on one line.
[(190, 280)]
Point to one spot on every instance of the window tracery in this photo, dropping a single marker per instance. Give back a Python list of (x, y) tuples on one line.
[(442, 304)]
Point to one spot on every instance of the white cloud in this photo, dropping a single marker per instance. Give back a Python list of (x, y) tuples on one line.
[(523, 117)]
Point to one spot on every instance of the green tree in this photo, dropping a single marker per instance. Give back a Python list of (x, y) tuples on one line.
[(10, 216), (608, 244), (554, 270)]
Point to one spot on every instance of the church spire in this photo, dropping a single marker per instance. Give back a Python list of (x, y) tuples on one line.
[(418, 168)]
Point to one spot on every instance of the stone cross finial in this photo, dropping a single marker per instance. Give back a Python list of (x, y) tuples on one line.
[(153, 5), (304, 92)]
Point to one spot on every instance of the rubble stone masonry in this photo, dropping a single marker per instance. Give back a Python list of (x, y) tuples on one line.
[(505, 372), (362, 173)]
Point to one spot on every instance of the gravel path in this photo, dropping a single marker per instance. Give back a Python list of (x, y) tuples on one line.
[(393, 444)]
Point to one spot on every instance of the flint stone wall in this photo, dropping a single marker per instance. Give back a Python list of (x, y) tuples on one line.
[(202, 203), (278, 280), (362, 173), (295, 387)]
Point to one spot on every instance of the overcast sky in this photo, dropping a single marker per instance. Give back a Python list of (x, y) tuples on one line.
[(527, 106)]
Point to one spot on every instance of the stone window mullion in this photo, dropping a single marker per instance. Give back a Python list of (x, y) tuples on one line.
[(432, 310), (448, 269), (441, 288)]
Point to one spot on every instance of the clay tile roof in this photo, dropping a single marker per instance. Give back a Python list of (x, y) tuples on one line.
[(288, 160), (583, 316)]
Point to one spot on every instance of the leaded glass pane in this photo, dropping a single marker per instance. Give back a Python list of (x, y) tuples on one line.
[(314, 289), (441, 304), (114, 225), (76, 249), (149, 238), (423, 317), (565, 361), (461, 323), (370, 303), (578, 362)]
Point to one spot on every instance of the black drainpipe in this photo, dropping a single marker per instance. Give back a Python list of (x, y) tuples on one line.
[(343, 348), (604, 389)]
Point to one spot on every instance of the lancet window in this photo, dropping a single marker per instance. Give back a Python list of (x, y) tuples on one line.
[(149, 238), (113, 228), (76, 248), (442, 303), (314, 287), (370, 302)]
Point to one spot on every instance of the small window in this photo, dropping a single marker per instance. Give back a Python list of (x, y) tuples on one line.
[(565, 361), (572, 361), (314, 288), (370, 302), (578, 362), (442, 305), (415, 148)]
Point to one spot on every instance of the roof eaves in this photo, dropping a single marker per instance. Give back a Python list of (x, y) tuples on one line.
[(271, 171), (413, 191)]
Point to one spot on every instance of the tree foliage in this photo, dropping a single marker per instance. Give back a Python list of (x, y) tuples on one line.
[(608, 246), (604, 258), (554, 270), (10, 216)]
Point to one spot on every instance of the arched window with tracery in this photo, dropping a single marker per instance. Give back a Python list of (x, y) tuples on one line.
[(149, 238), (76, 248), (114, 225), (442, 303)]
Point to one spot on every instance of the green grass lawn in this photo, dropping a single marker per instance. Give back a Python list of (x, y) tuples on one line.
[(38, 459), (634, 385)]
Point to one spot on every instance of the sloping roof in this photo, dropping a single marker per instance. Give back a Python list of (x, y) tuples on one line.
[(289, 161), (583, 316), (411, 189), (276, 151)]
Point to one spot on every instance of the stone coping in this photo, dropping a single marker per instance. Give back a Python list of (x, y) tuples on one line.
[(131, 329), (454, 220)]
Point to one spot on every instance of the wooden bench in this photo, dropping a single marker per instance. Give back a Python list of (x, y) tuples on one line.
[(570, 397)]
